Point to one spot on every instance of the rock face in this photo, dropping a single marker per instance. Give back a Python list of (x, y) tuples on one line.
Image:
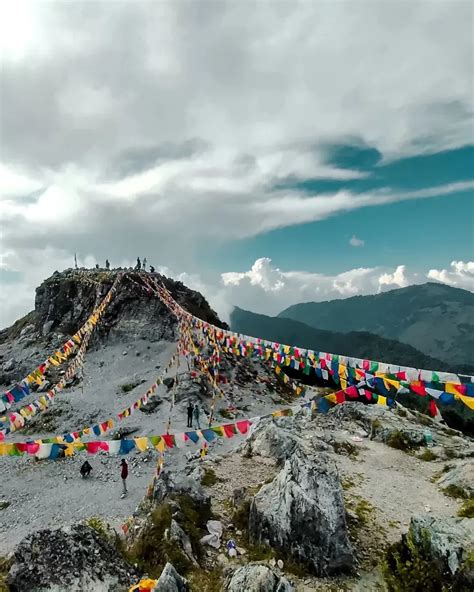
[(181, 539), (450, 541), (171, 484), (271, 440), (73, 559), (257, 578), (302, 511), (438, 550), (171, 581)]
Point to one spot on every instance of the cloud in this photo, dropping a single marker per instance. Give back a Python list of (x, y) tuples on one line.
[(461, 275), (177, 136), (397, 279), (356, 242)]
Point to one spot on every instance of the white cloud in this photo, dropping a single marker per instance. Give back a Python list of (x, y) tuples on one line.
[(461, 275), (177, 135), (356, 242), (397, 279)]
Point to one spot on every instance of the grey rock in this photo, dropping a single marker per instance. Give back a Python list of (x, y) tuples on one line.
[(302, 513), (9, 365), (168, 382), (47, 328), (461, 476), (74, 559), (171, 581), (270, 439), (171, 484), (257, 578), (181, 539), (449, 542)]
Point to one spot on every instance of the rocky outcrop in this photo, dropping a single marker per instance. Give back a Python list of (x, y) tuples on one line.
[(301, 512), (449, 542), (73, 559), (171, 581), (177, 535), (171, 484), (257, 578), (435, 551), (459, 479), (272, 439)]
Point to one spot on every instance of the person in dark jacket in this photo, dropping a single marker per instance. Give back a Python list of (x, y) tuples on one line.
[(86, 470), (124, 475), (190, 414)]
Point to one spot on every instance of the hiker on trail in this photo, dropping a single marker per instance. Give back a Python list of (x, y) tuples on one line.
[(107, 264), (85, 470), (152, 269), (124, 475), (138, 266), (190, 409), (196, 415), (144, 264)]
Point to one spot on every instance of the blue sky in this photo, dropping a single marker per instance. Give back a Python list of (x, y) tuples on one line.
[(422, 233)]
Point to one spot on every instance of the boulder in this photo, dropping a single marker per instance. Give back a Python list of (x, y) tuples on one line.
[(435, 550), (181, 539), (272, 439), (75, 558), (9, 365), (301, 512), (170, 581), (170, 484), (257, 578), (460, 478)]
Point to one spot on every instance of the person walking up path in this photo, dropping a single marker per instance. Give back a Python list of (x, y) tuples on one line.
[(124, 475)]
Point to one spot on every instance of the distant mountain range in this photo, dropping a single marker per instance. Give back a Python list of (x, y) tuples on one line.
[(436, 319), (379, 327)]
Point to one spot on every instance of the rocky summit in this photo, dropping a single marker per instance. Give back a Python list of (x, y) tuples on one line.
[(362, 497)]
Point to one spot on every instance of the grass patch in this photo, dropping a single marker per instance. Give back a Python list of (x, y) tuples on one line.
[(152, 550), (345, 448), (4, 569), (347, 483), (101, 527), (400, 441), (467, 509), (455, 491), (210, 478), (427, 455), (207, 581), (450, 453), (126, 388), (409, 567), (402, 412), (424, 420), (241, 515), (226, 414)]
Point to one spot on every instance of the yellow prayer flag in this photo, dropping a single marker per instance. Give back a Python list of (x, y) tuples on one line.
[(382, 400), (141, 443)]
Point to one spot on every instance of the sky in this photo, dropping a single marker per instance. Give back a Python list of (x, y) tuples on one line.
[(263, 153)]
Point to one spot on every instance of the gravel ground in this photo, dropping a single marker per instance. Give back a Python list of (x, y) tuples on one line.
[(43, 494)]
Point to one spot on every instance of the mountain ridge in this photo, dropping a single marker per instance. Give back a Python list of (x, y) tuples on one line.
[(436, 319), (358, 344)]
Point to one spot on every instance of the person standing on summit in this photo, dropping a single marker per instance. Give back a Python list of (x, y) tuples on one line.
[(138, 266), (190, 415), (124, 475)]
